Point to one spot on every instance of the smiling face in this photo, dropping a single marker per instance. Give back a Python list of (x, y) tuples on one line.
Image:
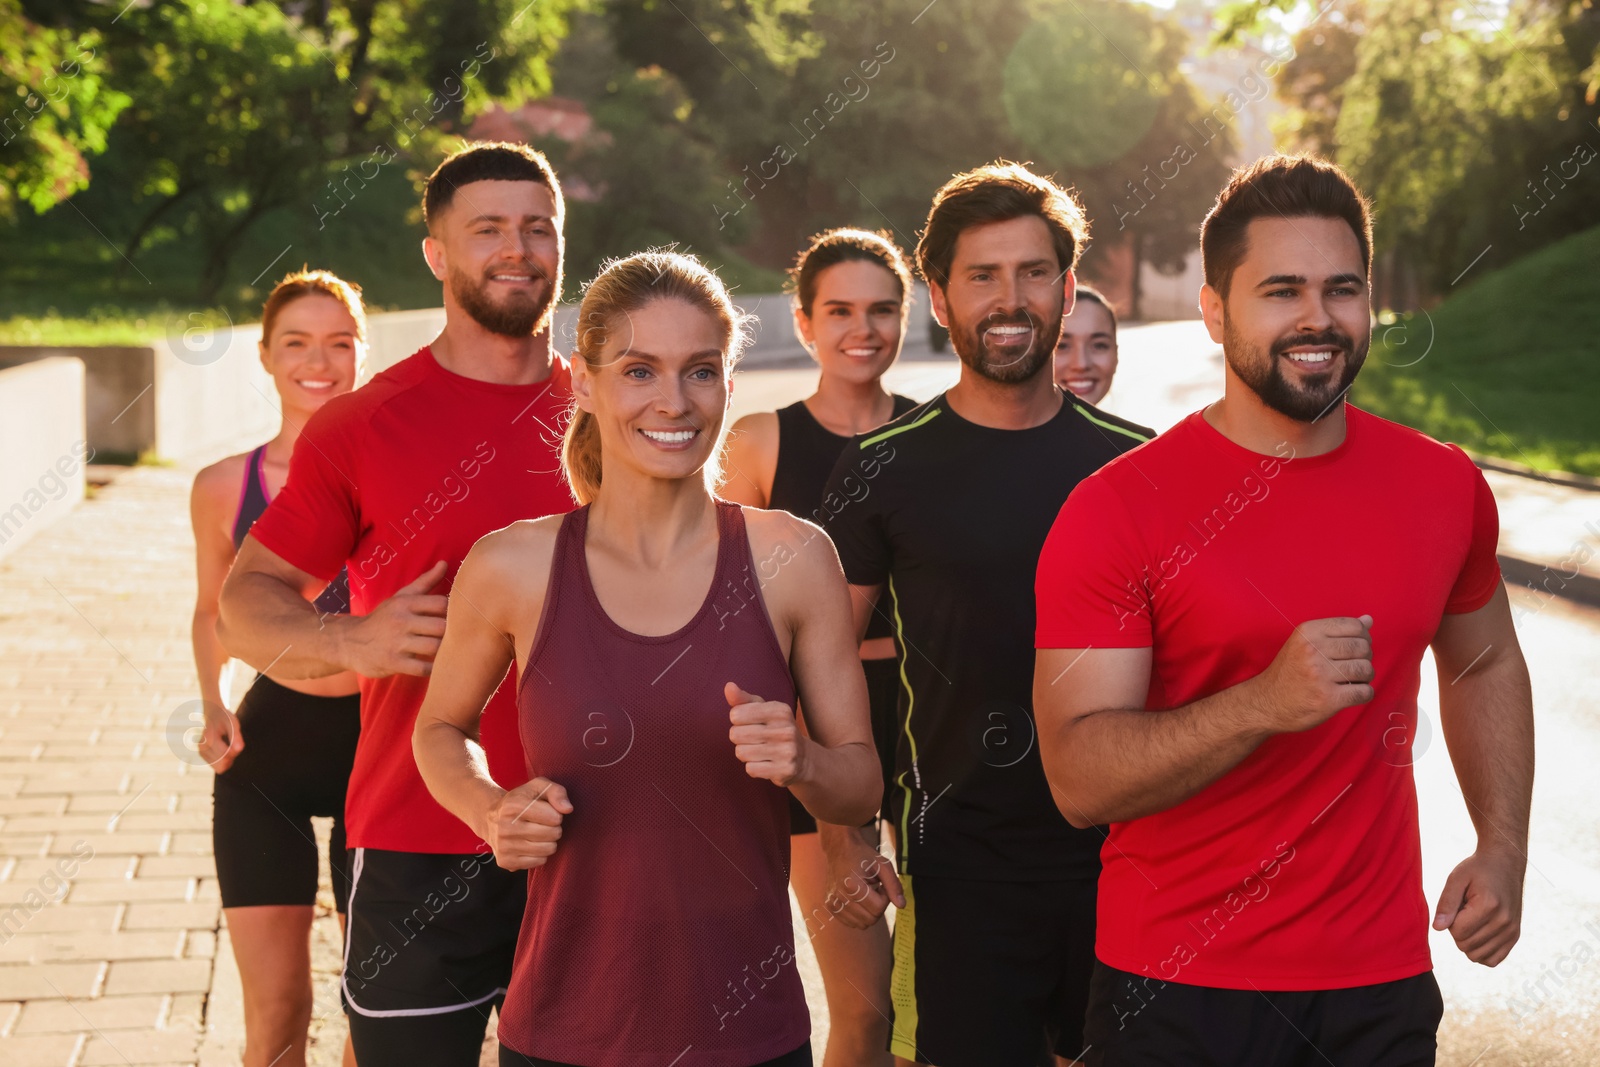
[(1086, 354), (856, 320), (1004, 298), (497, 248), (313, 353), (1296, 322), (659, 390)]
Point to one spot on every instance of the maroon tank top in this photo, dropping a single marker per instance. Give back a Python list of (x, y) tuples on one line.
[(660, 931)]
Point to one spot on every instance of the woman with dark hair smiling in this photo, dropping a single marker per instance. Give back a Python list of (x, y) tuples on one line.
[(852, 289), (1086, 354), (658, 672)]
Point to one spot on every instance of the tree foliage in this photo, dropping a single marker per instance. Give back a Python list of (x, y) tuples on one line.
[(60, 109)]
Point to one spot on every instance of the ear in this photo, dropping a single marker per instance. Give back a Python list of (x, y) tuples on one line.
[(941, 311), (1069, 296), (802, 326), (1211, 310), (262, 352), (582, 384), (433, 252)]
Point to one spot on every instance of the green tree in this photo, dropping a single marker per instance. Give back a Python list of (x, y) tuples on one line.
[(60, 109), (1464, 133)]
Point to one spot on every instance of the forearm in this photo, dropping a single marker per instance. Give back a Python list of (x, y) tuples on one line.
[(842, 784), (1487, 719), (1121, 764), (266, 623), (456, 771), (210, 658)]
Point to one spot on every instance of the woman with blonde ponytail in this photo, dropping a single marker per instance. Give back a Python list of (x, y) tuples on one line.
[(662, 637)]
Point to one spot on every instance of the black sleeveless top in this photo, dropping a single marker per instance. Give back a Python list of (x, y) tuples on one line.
[(253, 500), (807, 452)]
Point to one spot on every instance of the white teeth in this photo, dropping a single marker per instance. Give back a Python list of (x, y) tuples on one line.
[(674, 437), (314, 383), (512, 277), (1010, 329), (1311, 357), (860, 353)]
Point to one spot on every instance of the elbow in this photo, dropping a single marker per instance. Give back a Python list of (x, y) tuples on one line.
[(1078, 820), (1068, 790)]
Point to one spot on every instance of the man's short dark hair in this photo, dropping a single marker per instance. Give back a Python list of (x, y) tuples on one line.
[(1279, 186), (998, 192), (487, 161)]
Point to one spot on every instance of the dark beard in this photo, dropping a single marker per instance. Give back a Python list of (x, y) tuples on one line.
[(518, 317), (1265, 377), (968, 343)]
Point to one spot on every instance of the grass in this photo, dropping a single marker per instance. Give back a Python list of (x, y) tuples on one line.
[(1504, 367), (101, 326)]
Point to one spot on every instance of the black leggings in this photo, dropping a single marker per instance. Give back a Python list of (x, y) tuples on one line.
[(800, 1057), (295, 764), (448, 1039)]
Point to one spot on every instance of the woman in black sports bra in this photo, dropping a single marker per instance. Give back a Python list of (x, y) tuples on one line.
[(285, 755), (852, 290)]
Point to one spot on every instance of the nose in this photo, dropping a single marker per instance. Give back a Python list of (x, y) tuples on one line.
[(1076, 354), (1315, 315)]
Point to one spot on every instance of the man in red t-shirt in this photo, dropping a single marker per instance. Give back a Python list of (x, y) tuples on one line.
[(396, 481), (1231, 623)]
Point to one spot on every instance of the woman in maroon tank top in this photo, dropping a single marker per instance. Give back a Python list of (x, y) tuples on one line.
[(662, 637)]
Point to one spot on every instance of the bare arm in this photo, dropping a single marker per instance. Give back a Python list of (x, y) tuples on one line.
[(835, 768), (521, 825), (1109, 760), (1486, 713), (752, 460), (268, 620), (209, 509), (862, 881)]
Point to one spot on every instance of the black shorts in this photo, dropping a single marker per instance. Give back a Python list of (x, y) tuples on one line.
[(1134, 1020), (800, 1057), (883, 696), (428, 937), (295, 765), (991, 974)]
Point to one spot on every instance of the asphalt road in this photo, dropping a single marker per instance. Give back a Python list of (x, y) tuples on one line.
[(1542, 1005)]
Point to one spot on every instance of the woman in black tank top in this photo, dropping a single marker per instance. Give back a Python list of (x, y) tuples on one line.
[(852, 291), (284, 756)]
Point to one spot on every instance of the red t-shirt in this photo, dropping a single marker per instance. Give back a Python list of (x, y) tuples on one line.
[(1301, 868), (412, 468)]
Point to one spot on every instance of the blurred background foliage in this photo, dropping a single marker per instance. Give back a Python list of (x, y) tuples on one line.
[(185, 153)]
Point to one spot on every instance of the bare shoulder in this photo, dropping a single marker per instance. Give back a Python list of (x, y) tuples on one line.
[(789, 548), (759, 430), (752, 459), (514, 552), (215, 493)]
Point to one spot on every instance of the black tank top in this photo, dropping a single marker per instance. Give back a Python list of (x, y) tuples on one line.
[(253, 500), (807, 452)]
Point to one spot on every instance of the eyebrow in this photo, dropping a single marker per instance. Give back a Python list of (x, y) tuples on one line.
[(634, 353), (307, 333), (1300, 279), (502, 218), (851, 303), (997, 266)]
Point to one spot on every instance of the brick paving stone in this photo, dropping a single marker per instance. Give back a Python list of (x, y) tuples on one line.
[(40, 1050), (104, 1013), (159, 976), (92, 945), (27, 982), (141, 1047)]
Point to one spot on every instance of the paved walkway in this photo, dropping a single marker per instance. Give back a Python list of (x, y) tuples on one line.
[(111, 946)]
